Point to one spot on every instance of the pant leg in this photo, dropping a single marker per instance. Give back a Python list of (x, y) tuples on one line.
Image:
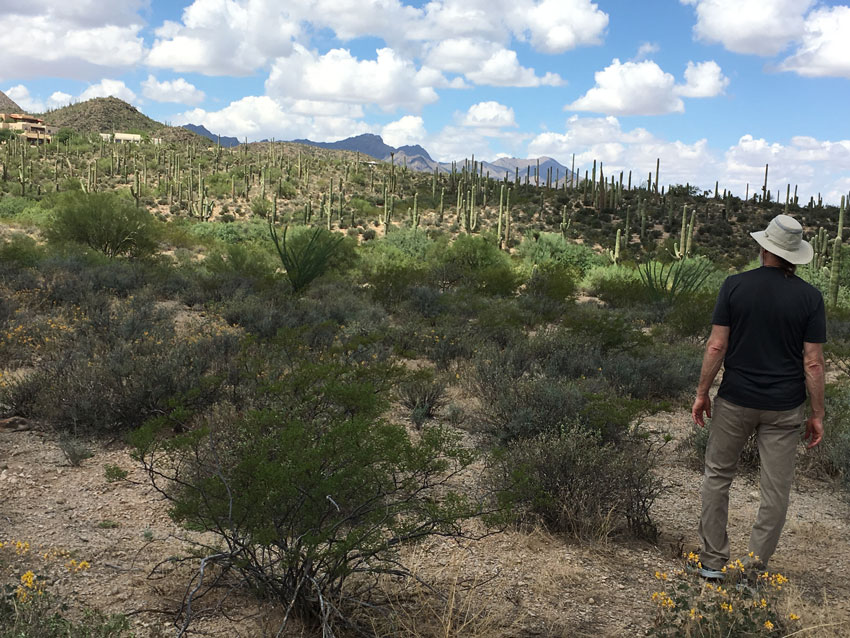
[(778, 434), (730, 427)]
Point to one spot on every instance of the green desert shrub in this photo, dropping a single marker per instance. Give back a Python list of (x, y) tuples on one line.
[(125, 364), (690, 316), (525, 407), (248, 231), (311, 489), (11, 206), (548, 290), (575, 484), (104, 222), (618, 286), (410, 241), (539, 248), (475, 262), (21, 250), (390, 274), (653, 373), (611, 330)]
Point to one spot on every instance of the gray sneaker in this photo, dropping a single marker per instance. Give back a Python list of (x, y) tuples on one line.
[(711, 574)]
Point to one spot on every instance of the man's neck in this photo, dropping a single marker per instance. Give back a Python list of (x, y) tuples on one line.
[(771, 260)]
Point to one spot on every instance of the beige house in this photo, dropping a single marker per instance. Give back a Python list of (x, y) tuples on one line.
[(127, 138), (32, 128)]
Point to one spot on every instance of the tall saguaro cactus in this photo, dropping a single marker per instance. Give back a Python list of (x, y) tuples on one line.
[(764, 188), (836, 257)]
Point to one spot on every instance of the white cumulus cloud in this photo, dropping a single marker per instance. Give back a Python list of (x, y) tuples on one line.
[(58, 99), (602, 139), (703, 79), (824, 49), (489, 115), (408, 130), (502, 68), (485, 62), (73, 39), (20, 95), (389, 81), (109, 88), (812, 165), (760, 27), (631, 88), (261, 117), (178, 90), (645, 50), (555, 26), (227, 37)]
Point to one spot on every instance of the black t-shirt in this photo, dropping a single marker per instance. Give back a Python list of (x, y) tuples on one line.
[(769, 317)]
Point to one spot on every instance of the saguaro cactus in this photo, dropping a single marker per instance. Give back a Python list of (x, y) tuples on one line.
[(614, 255), (836, 257)]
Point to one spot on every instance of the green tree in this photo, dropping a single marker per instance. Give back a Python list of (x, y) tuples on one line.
[(105, 222)]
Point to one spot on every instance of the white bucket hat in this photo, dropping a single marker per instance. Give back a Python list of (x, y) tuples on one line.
[(784, 238)]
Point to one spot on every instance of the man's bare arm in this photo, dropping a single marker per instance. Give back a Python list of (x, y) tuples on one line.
[(715, 351), (815, 370)]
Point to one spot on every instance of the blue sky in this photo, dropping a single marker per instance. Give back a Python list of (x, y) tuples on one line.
[(715, 88)]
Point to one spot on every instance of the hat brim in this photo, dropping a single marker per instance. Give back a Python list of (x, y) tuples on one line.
[(802, 255)]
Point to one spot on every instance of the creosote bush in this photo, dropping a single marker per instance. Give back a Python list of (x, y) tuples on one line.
[(312, 495)]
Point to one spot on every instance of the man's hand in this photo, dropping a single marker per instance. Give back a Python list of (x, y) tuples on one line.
[(814, 431), (703, 404)]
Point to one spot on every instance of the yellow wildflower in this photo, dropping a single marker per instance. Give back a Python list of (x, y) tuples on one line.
[(768, 625), (27, 579), (793, 617)]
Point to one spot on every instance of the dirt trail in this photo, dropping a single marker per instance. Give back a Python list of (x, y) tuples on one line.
[(516, 583)]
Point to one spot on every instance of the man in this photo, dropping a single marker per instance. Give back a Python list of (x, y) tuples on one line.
[(768, 330)]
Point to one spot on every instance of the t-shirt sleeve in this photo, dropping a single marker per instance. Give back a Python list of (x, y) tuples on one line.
[(721, 316), (816, 328)]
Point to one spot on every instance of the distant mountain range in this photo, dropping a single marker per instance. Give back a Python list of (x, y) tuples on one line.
[(226, 142), (418, 159)]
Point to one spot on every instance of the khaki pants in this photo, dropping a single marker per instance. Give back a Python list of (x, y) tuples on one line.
[(777, 433)]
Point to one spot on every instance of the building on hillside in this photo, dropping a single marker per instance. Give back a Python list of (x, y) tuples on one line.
[(127, 138), (34, 129)]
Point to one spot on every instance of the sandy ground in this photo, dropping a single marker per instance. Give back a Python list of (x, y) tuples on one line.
[(517, 583)]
